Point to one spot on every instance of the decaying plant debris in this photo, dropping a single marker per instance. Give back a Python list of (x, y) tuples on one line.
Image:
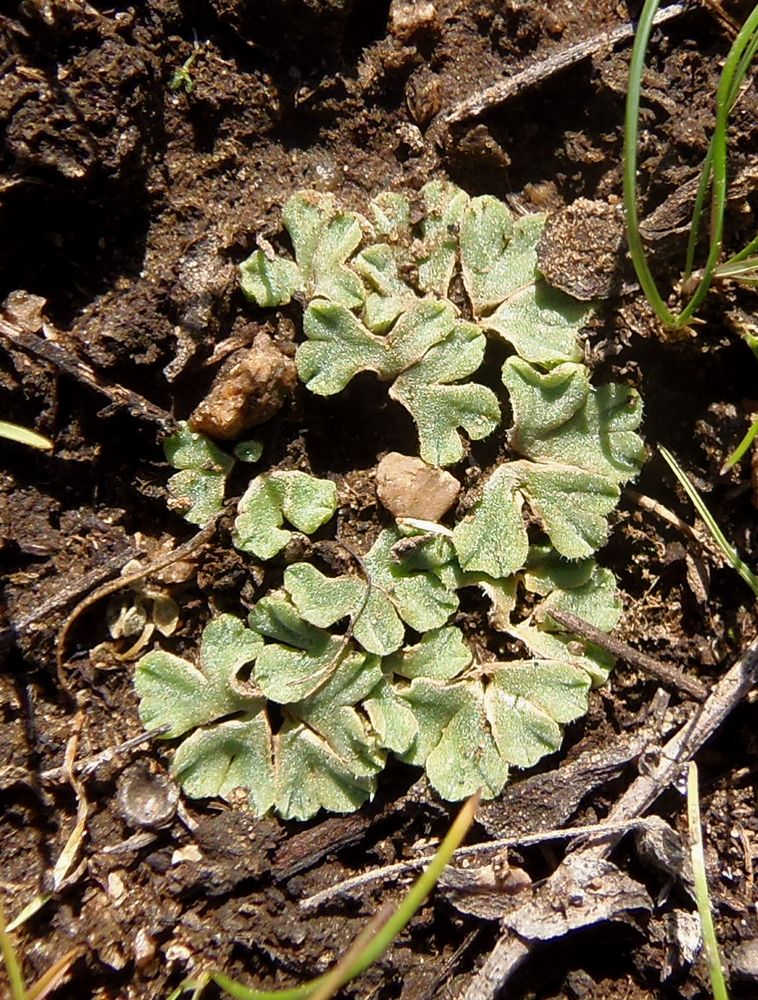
[(147, 154)]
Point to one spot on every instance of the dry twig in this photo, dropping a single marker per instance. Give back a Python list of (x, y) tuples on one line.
[(535, 74), (55, 354), (663, 671)]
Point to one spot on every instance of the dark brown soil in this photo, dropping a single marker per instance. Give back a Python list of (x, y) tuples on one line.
[(125, 204)]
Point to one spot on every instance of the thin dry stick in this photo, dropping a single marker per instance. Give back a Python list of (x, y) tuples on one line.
[(181, 552), (69, 590), (475, 850), (681, 748), (501, 91), (663, 671), (87, 766), (55, 354)]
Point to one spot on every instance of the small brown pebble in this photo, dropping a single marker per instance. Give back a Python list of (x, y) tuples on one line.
[(409, 487), (580, 250), (250, 388)]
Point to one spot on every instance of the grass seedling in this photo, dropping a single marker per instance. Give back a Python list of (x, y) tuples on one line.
[(182, 77), (712, 176), (371, 943), (741, 450), (715, 531), (710, 941)]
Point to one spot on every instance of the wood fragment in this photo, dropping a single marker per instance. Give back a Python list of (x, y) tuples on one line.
[(662, 671), (537, 73), (55, 354), (474, 851), (682, 747)]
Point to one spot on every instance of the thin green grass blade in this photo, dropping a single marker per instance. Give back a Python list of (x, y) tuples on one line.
[(384, 936), (11, 962), (713, 173), (717, 534), (710, 941), (631, 134), (739, 452), (24, 436)]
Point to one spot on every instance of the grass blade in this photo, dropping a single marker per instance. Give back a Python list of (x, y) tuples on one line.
[(378, 942), (13, 432), (716, 533), (710, 941)]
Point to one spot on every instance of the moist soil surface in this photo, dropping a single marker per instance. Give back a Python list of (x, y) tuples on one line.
[(128, 195)]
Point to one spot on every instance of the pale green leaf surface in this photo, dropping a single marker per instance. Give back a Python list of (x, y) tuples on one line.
[(269, 281), (294, 667), (305, 501), (248, 451), (492, 539), (540, 322), (425, 324), (301, 656), (188, 450), (558, 417), (323, 238), (287, 675), (377, 265), (444, 204), (486, 230), (393, 721), (554, 687), (573, 505), (324, 600), (441, 654), (311, 776), (546, 570), (453, 742), (331, 713), (338, 346), (197, 495), (236, 754), (438, 408), (596, 601), (198, 488), (276, 618), (522, 732), (420, 598), (174, 692), (379, 313), (391, 214), (596, 662)]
